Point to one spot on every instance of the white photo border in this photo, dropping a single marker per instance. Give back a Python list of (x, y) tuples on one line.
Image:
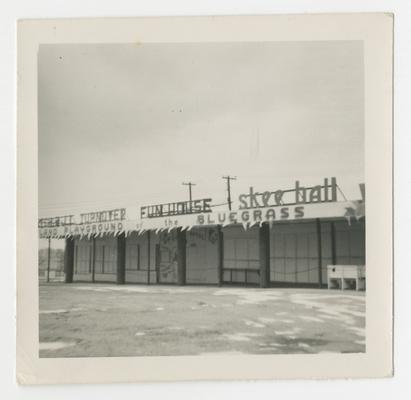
[(376, 32)]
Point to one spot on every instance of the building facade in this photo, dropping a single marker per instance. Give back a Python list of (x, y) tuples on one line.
[(285, 254), (280, 238)]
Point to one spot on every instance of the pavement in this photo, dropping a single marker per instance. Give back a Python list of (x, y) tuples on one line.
[(107, 320)]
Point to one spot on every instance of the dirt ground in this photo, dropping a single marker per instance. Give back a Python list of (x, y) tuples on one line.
[(103, 320)]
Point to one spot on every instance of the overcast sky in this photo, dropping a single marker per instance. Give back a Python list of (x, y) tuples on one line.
[(125, 125)]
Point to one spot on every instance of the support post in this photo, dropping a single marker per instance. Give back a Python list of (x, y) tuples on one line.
[(181, 257), (93, 260), (157, 262), (69, 260), (103, 256), (319, 252), (220, 254), (121, 259), (48, 260), (148, 256), (333, 245), (264, 247)]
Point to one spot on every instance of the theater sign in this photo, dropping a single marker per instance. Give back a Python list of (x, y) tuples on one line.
[(255, 207)]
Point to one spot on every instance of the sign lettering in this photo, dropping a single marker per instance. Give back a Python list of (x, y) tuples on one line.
[(298, 195), (118, 214), (178, 208)]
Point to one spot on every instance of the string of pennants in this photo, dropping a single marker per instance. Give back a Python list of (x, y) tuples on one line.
[(350, 210)]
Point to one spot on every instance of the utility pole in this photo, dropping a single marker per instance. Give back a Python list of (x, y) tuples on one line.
[(190, 184), (48, 260), (228, 179)]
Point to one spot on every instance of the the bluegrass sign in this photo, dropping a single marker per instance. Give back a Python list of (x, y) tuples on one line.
[(255, 207)]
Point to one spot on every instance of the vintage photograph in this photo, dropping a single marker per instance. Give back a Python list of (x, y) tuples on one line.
[(201, 198)]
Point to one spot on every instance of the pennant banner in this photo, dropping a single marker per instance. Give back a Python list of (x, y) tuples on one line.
[(246, 217)]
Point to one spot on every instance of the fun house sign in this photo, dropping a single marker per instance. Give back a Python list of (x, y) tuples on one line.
[(255, 207)]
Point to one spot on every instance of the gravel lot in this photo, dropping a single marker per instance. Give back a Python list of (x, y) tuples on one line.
[(104, 320)]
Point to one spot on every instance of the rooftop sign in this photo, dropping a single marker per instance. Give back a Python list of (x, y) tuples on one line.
[(117, 214), (178, 208), (299, 202), (298, 195)]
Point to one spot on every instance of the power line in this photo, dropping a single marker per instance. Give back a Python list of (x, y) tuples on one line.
[(342, 193), (229, 178), (217, 205)]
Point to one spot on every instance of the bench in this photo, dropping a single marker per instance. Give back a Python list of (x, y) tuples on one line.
[(346, 277)]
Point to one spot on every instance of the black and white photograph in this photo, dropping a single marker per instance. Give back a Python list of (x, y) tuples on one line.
[(201, 198), (202, 195)]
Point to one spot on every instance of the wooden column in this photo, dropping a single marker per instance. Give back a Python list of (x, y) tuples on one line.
[(121, 259), (157, 262), (264, 247), (148, 256), (93, 260), (220, 254), (333, 245), (48, 259), (69, 260), (103, 256), (319, 252), (181, 256)]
